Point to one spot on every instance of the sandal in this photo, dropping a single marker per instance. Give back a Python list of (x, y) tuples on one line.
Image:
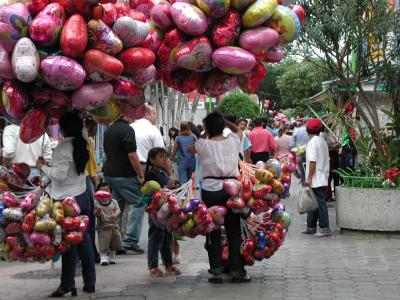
[(156, 273), (172, 270)]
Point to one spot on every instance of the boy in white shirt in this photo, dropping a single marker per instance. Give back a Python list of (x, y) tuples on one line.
[(317, 173)]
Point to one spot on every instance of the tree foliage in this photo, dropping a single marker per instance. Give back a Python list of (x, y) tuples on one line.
[(358, 40), (301, 81), (239, 104)]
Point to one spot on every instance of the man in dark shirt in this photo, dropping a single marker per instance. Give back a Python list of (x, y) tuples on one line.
[(123, 172)]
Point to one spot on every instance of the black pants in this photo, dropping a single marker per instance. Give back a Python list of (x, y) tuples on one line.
[(233, 232), (259, 156), (85, 252)]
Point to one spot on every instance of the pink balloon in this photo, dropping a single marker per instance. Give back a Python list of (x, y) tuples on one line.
[(145, 76), (160, 13), (62, 73), (133, 112), (234, 60), (6, 70), (258, 39), (274, 54), (14, 22), (92, 96), (46, 27), (189, 18)]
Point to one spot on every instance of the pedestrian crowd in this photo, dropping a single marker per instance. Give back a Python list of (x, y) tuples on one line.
[(135, 152)]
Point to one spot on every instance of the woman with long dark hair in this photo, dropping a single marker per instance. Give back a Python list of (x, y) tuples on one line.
[(219, 159), (67, 175)]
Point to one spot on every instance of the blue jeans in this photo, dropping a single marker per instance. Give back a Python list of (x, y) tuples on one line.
[(85, 252), (127, 190), (301, 160), (321, 214), (159, 241), (186, 168)]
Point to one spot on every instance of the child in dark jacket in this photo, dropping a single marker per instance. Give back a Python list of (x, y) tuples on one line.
[(159, 238)]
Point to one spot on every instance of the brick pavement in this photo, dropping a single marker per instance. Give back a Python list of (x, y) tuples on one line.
[(346, 266)]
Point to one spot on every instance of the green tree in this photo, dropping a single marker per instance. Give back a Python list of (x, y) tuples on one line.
[(301, 81), (239, 104), (358, 40)]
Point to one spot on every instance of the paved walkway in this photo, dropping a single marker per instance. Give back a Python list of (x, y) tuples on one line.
[(346, 266)]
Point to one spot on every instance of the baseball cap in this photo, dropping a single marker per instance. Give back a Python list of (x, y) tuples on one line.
[(314, 124)]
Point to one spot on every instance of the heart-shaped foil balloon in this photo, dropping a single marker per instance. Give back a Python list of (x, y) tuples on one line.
[(251, 82), (33, 126), (102, 38), (130, 32), (196, 55), (232, 187)]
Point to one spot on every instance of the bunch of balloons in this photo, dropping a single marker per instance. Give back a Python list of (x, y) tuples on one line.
[(262, 242), (185, 216), (260, 190), (32, 227), (97, 56)]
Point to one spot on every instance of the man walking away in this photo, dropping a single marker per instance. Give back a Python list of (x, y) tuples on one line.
[(317, 173), (262, 142), (300, 138)]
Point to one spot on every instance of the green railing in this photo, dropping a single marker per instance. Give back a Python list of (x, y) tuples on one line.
[(362, 182)]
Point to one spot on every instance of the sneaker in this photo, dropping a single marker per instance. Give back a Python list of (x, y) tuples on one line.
[(322, 234), (156, 272), (176, 259), (104, 259), (135, 249), (173, 271), (307, 231), (111, 258)]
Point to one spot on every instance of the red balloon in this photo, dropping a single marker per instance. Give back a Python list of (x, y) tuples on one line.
[(137, 15), (172, 40), (181, 80), (226, 31), (14, 101), (137, 58), (43, 96), (35, 6), (101, 67), (33, 126), (105, 12), (71, 7), (251, 82), (216, 83), (299, 11), (153, 40), (74, 36), (124, 88)]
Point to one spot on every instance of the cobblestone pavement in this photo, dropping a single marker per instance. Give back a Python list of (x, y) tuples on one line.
[(345, 266)]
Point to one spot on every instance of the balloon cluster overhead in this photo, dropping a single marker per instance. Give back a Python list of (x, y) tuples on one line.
[(98, 56)]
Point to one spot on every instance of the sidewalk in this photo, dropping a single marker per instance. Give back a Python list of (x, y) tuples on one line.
[(349, 266)]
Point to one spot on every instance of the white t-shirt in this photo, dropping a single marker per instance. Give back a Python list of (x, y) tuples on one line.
[(226, 132), (317, 150), (65, 182), (147, 137), (25, 153), (218, 159)]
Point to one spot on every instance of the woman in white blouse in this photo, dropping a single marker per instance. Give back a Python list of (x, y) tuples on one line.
[(219, 160), (67, 175)]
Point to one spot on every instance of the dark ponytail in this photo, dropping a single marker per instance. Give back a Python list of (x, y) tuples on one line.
[(152, 155), (71, 125)]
